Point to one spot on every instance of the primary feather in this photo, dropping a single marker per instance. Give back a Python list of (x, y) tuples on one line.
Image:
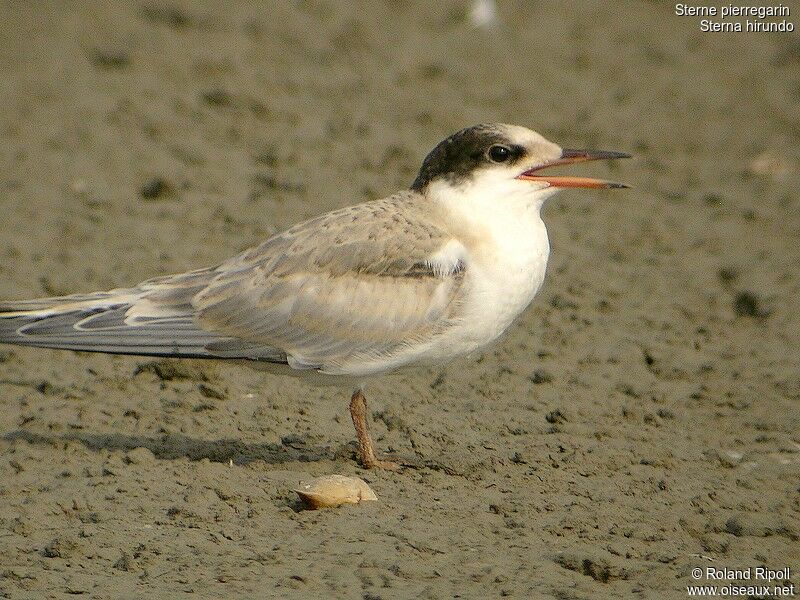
[(154, 318)]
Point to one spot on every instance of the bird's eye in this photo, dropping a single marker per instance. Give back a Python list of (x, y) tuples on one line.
[(499, 153)]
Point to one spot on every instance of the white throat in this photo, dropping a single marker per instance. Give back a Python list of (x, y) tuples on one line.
[(499, 224), (499, 211)]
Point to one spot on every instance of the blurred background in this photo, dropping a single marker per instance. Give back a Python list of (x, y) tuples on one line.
[(641, 417)]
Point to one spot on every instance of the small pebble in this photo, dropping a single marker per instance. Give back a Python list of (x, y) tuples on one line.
[(156, 188), (110, 59)]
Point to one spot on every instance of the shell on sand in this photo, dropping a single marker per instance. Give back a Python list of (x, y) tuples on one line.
[(330, 491)]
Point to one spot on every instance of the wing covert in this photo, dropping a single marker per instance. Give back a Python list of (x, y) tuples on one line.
[(353, 287)]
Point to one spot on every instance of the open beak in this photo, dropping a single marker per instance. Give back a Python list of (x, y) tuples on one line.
[(569, 157)]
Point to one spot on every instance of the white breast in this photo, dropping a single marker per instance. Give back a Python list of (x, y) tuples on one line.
[(504, 280), (507, 249)]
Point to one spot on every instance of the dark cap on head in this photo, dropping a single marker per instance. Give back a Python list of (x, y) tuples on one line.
[(456, 158)]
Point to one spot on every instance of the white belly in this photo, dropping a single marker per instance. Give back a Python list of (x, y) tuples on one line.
[(499, 286)]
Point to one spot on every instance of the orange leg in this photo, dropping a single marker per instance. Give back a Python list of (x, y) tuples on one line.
[(358, 412)]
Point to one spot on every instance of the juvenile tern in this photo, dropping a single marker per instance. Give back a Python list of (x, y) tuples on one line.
[(421, 276)]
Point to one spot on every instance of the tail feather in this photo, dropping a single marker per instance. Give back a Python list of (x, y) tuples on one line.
[(101, 325), (156, 318)]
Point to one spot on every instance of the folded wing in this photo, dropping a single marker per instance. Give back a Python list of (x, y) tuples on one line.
[(351, 291), (347, 292)]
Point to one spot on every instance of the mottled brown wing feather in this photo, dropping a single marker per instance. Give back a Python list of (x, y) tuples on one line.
[(352, 286)]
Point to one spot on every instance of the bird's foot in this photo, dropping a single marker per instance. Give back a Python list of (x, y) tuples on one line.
[(377, 463)]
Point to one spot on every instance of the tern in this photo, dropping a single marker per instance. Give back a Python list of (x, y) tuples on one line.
[(427, 274)]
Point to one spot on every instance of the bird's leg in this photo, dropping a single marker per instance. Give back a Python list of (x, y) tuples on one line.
[(358, 412)]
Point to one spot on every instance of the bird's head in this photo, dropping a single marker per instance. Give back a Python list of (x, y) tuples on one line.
[(504, 160)]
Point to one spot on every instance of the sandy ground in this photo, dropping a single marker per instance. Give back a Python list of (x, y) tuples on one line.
[(641, 419)]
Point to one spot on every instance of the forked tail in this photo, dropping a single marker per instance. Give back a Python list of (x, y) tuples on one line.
[(155, 318)]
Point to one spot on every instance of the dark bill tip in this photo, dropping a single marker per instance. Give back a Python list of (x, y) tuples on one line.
[(578, 155)]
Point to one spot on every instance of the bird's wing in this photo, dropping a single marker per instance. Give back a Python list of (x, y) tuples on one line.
[(155, 318), (349, 289)]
